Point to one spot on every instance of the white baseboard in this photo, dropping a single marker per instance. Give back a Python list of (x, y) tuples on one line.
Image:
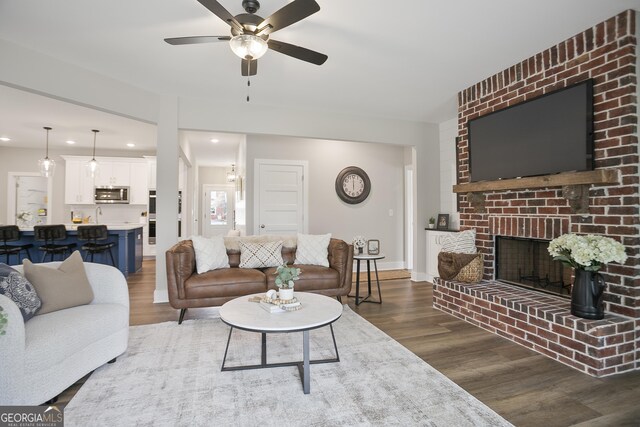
[(160, 296), (417, 276)]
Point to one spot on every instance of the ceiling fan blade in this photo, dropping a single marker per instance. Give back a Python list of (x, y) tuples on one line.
[(222, 13), (287, 15), (298, 52), (196, 39), (250, 66)]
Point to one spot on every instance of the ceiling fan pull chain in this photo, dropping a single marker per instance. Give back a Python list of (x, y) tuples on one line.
[(248, 78)]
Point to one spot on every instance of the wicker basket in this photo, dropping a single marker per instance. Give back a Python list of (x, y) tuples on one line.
[(472, 272)]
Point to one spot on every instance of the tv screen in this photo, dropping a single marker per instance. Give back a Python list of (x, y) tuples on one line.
[(547, 135)]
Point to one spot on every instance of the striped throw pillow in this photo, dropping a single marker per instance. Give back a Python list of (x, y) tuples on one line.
[(261, 255)]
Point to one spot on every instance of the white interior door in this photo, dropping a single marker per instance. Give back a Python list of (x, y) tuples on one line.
[(280, 197), (217, 210)]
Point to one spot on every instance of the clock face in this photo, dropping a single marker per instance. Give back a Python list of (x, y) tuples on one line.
[(353, 185)]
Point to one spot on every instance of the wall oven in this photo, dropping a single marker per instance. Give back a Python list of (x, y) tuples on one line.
[(152, 217)]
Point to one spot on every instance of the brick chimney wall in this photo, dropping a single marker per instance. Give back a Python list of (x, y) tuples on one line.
[(607, 54)]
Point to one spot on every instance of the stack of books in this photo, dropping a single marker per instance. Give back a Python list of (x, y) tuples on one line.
[(281, 308)]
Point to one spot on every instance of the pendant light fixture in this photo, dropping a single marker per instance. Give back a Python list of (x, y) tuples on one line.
[(47, 166), (231, 176), (93, 163)]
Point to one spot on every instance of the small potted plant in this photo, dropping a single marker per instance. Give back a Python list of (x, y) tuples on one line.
[(432, 222), (286, 276)]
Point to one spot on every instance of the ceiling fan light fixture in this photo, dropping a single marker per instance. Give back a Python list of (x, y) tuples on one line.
[(248, 46)]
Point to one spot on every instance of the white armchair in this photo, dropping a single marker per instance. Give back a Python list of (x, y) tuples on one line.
[(42, 357)]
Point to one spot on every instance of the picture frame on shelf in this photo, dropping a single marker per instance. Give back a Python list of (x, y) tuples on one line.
[(373, 247), (443, 222)]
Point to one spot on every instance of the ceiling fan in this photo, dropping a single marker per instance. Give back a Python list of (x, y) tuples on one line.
[(250, 33)]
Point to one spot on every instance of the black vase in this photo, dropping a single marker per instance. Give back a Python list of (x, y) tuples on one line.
[(586, 295)]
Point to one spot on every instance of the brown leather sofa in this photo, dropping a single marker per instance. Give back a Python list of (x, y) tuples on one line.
[(188, 289)]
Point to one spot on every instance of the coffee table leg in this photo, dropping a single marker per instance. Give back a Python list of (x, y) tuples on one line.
[(264, 349), (306, 377), (224, 359)]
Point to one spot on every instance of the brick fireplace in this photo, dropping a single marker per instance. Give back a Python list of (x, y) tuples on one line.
[(605, 53)]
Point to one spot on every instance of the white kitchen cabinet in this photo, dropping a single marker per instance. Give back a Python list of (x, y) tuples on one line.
[(78, 184), (434, 245), (138, 174), (151, 162), (113, 174)]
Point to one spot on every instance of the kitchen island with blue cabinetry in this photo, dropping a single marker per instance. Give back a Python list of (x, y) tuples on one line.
[(127, 250)]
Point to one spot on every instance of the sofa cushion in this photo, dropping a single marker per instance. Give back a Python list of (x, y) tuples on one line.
[(260, 255), (211, 253), (313, 249), (62, 287), (18, 289), (312, 278), (75, 328), (225, 283)]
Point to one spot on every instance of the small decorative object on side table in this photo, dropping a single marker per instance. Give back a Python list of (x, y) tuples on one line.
[(587, 254), (358, 244), (373, 247), (285, 281)]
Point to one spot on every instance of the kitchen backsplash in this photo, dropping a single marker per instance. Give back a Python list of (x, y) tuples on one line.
[(111, 214)]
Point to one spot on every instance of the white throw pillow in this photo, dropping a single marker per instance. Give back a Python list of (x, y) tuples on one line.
[(313, 249), (210, 253), (463, 242), (261, 255)]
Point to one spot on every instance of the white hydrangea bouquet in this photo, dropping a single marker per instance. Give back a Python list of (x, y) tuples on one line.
[(588, 252), (359, 242)]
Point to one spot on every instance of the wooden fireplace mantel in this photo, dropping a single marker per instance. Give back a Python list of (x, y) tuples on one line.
[(599, 176)]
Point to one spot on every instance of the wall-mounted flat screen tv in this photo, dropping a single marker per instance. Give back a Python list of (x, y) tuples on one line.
[(543, 136)]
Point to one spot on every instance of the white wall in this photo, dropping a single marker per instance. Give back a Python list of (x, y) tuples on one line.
[(380, 216), (27, 69), (448, 205)]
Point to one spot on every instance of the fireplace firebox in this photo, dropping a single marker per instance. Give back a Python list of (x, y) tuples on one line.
[(527, 263)]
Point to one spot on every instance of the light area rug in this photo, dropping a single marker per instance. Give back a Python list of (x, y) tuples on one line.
[(170, 376)]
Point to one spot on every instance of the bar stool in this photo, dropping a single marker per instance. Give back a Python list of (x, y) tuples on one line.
[(95, 234), (11, 233), (49, 234)]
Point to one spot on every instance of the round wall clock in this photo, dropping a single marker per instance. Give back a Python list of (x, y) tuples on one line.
[(353, 185)]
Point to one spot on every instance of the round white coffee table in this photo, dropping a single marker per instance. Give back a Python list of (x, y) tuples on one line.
[(317, 311)]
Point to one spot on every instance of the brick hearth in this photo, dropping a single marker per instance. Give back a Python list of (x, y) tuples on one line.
[(542, 323), (607, 54)]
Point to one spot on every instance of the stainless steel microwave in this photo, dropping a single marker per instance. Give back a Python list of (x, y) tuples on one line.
[(111, 195)]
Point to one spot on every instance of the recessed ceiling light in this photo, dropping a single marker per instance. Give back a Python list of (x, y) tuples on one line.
[(70, 142), (131, 144), (5, 139), (215, 141)]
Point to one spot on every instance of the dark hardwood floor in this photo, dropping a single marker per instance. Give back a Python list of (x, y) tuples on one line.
[(524, 387)]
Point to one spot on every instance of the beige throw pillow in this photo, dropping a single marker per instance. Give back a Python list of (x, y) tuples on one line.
[(59, 288)]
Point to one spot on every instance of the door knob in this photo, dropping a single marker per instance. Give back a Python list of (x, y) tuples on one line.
[(261, 225)]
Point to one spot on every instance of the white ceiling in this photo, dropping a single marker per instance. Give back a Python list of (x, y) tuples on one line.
[(398, 60)]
